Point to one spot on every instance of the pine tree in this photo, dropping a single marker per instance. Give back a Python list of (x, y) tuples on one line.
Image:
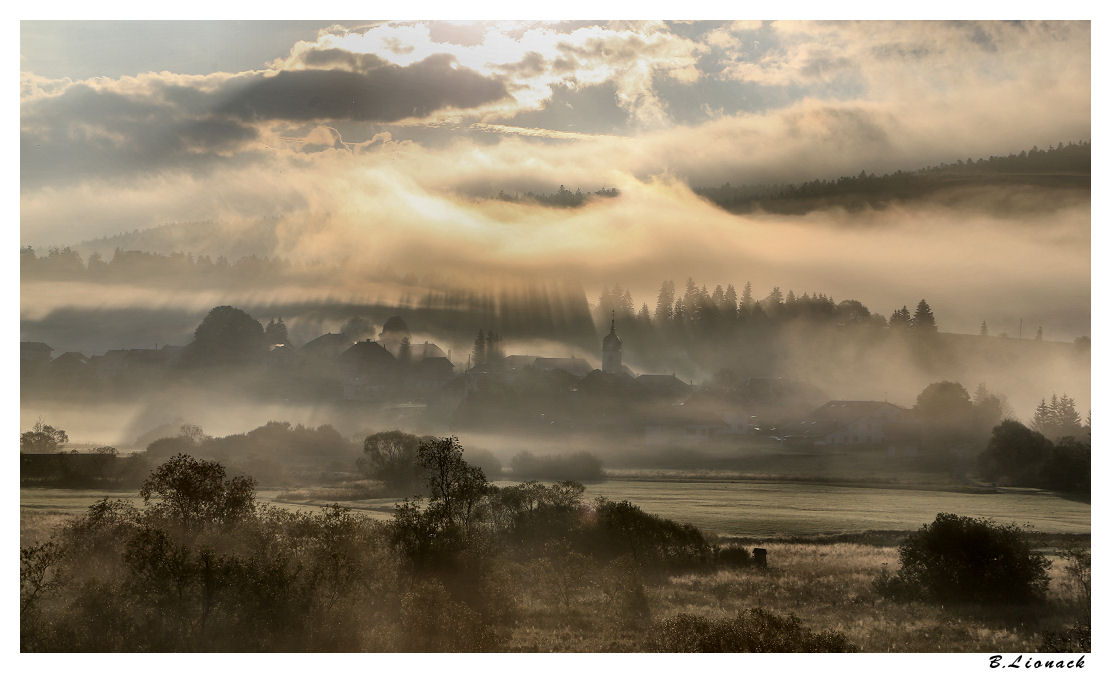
[(665, 302), (718, 296), (690, 301), (983, 328), (1065, 417), (924, 318), (729, 301), (643, 317), (1043, 418), (900, 319), (746, 296), (625, 304)]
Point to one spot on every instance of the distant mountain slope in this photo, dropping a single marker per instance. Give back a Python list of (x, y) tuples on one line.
[(989, 183), (199, 238)]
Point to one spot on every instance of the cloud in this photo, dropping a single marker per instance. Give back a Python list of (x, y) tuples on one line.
[(380, 93), (533, 106)]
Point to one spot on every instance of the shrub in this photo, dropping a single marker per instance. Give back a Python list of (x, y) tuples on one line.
[(391, 457), (958, 558), (734, 556), (1014, 454), (196, 491), (753, 630), (622, 528), (531, 513)]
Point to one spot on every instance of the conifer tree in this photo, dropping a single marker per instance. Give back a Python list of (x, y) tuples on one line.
[(746, 296), (900, 319), (924, 318), (718, 296), (665, 302), (729, 301)]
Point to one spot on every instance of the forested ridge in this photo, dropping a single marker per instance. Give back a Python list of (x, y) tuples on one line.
[(1066, 166)]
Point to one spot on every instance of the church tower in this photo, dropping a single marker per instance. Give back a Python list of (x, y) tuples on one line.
[(611, 350)]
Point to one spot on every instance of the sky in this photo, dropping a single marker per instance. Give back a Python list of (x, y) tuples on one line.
[(380, 142)]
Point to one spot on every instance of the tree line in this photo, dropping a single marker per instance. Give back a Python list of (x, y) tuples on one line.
[(866, 188), (697, 307)]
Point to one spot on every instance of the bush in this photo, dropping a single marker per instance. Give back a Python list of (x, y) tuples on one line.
[(753, 630), (734, 556), (622, 528), (958, 559), (391, 457), (197, 492), (1014, 454)]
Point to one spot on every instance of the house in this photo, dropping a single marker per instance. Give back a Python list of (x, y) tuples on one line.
[(368, 371), (571, 365), (684, 425), (33, 358), (855, 423), (426, 351), (34, 353), (664, 385), (430, 373), (326, 347)]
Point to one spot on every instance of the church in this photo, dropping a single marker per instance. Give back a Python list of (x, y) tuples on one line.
[(611, 349)]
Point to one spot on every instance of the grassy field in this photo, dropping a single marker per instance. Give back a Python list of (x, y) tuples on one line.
[(755, 510), (823, 559), (827, 586)]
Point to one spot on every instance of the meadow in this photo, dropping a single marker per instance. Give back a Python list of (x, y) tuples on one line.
[(826, 547), (751, 509)]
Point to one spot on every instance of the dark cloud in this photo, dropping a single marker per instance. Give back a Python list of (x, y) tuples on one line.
[(386, 93), (215, 135), (174, 123), (588, 109), (89, 132)]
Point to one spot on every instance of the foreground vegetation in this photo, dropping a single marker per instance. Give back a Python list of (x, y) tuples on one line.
[(200, 566)]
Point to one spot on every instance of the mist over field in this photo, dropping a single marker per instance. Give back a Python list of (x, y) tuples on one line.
[(446, 296)]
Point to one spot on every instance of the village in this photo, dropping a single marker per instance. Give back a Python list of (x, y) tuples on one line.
[(417, 382)]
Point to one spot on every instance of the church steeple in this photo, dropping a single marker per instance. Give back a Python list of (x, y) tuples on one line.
[(611, 349)]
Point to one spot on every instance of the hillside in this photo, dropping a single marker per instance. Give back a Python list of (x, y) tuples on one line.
[(997, 183)]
